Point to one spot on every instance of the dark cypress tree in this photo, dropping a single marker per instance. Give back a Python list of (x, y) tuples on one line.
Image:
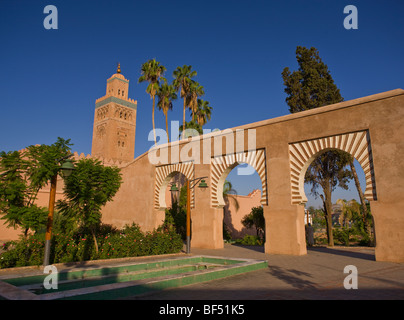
[(312, 86)]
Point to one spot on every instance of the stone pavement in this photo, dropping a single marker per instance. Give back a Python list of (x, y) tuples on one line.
[(317, 275)]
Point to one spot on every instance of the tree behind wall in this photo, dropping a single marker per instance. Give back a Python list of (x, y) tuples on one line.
[(255, 219), (182, 82), (151, 72), (328, 171), (312, 86)]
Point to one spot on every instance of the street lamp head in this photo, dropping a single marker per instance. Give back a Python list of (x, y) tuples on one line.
[(67, 168), (203, 184), (174, 188)]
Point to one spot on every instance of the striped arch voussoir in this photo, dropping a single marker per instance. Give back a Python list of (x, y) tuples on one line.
[(163, 177), (301, 154), (221, 166)]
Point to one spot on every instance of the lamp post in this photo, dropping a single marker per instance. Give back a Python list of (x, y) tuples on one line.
[(190, 185), (66, 169)]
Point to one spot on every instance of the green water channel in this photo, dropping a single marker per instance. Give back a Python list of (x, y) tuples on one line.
[(106, 275), (115, 282)]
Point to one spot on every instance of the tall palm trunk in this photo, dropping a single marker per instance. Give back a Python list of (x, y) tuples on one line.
[(168, 137), (183, 121), (154, 128)]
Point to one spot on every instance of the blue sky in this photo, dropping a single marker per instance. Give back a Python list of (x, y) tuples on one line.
[(51, 78)]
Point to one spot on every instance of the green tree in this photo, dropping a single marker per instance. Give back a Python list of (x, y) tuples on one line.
[(182, 82), (309, 87), (177, 215), (151, 71), (24, 173), (255, 219), (317, 217), (166, 94), (366, 215), (90, 186), (353, 220), (203, 113), (192, 128), (178, 211), (328, 171), (348, 209), (230, 193), (195, 91), (201, 116)]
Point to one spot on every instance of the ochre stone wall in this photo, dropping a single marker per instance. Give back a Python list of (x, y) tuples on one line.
[(381, 116), (233, 216)]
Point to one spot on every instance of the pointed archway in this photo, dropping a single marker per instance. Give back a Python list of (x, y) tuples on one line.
[(301, 154), (163, 177), (221, 167)]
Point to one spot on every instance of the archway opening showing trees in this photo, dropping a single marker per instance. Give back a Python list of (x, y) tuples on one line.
[(243, 218), (176, 202), (341, 218)]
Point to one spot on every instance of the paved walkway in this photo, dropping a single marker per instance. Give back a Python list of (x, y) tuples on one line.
[(317, 275)]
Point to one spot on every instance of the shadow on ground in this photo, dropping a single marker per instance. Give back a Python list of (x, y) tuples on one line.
[(253, 248), (352, 253)]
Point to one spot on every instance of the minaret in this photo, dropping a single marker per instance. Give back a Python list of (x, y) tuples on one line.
[(115, 121)]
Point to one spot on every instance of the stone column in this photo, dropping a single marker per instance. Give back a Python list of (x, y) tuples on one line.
[(389, 226), (284, 230), (284, 221), (206, 222)]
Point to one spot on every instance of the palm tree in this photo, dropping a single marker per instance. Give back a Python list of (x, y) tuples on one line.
[(204, 112), (346, 214), (230, 193), (182, 81), (195, 91), (151, 71), (189, 125), (348, 209), (166, 95), (199, 117)]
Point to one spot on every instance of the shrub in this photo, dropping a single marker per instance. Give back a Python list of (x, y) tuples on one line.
[(226, 232), (28, 251), (341, 235), (255, 219), (249, 240), (79, 246), (177, 216)]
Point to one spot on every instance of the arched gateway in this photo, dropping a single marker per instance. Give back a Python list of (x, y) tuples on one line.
[(357, 144), (371, 129)]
